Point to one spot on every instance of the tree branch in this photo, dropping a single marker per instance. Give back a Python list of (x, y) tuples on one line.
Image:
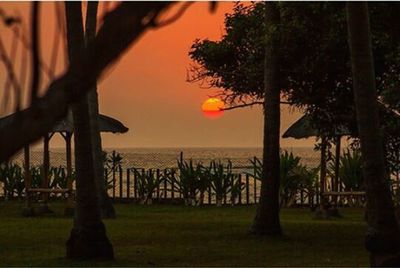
[(35, 54), (121, 28), (244, 105), (174, 18), (9, 67)]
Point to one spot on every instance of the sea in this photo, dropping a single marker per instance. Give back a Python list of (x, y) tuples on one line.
[(167, 157)]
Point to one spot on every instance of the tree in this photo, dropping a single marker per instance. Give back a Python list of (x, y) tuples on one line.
[(266, 221), (88, 237), (106, 206), (383, 236), (315, 67)]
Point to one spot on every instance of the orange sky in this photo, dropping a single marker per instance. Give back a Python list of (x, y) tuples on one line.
[(147, 90)]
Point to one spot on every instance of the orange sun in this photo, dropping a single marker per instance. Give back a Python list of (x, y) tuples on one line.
[(212, 108)]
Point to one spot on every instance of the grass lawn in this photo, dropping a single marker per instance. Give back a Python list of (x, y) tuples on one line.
[(183, 236)]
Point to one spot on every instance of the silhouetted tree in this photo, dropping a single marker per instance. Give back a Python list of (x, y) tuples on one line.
[(383, 236), (106, 206), (266, 221), (88, 237)]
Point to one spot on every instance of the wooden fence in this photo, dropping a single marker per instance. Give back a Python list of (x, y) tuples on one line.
[(123, 186)]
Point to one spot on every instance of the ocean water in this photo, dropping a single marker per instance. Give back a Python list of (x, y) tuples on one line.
[(167, 157)]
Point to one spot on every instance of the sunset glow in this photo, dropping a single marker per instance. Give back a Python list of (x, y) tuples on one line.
[(212, 108)]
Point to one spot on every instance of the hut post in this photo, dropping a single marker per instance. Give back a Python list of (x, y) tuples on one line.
[(337, 165), (45, 172), (322, 170), (70, 202), (28, 209)]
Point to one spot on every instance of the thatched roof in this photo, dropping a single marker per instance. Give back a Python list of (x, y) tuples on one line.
[(302, 129), (106, 124)]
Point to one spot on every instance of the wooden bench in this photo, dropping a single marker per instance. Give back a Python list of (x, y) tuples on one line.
[(353, 193), (46, 190), (352, 197)]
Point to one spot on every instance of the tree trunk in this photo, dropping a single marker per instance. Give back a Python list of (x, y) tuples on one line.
[(267, 220), (106, 206), (88, 237), (382, 238)]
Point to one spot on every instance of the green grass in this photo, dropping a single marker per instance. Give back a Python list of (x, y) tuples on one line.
[(183, 236)]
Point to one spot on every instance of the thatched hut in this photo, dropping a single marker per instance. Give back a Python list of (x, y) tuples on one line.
[(66, 129), (302, 129)]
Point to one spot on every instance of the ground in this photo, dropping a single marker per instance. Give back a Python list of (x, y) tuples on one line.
[(183, 236)]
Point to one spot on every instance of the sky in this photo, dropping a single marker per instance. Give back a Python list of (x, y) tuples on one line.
[(148, 92)]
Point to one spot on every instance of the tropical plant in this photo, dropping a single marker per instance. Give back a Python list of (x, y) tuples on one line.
[(112, 164), (294, 177), (12, 177), (350, 170), (147, 183), (188, 182), (203, 183), (236, 188), (221, 178), (58, 178), (36, 177)]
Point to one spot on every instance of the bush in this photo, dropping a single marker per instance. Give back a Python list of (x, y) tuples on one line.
[(350, 170), (147, 183), (293, 177)]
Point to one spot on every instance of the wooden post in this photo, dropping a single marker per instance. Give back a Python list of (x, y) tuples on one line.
[(120, 184), (135, 183), (128, 186), (158, 185), (335, 185), (106, 179), (301, 197), (255, 190), (150, 175), (209, 194), (322, 171), (113, 182), (165, 186), (70, 202), (172, 189), (143, 174), (45, 173), (240, 192), (247, 189), (27, 211)]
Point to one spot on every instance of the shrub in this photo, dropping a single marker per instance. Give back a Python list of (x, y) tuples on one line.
[(147, 183), (350, 170), (221, 178), (293, 177)]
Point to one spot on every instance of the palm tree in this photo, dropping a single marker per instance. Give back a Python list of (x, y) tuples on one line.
[(88, 237), (383, 236), (106, 206), (266, 221)]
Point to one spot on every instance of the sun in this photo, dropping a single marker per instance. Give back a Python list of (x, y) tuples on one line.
[(212, 108)]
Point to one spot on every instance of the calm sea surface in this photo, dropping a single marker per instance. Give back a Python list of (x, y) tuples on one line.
[(167, 157)]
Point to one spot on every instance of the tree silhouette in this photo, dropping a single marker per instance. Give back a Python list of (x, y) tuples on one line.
[(266, 221), (88, 237), (383, 236)]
